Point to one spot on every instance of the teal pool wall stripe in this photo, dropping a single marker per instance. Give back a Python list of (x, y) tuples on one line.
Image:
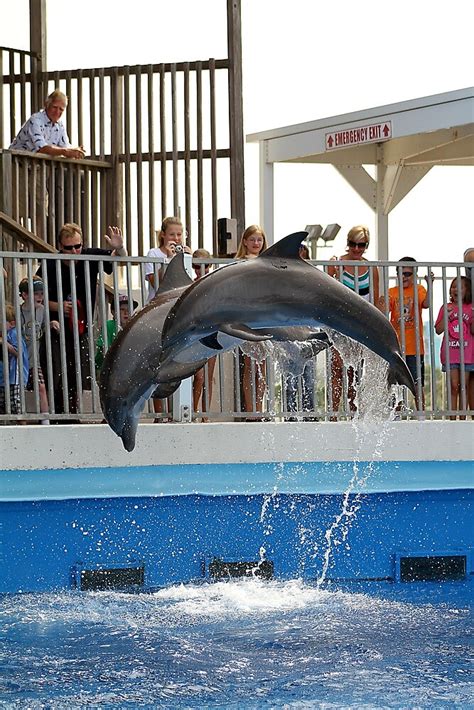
[(236, 478)]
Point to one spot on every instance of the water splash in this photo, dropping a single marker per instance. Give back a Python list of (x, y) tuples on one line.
[(375, 405)]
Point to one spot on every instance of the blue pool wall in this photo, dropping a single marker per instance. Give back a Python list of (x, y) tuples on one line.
[(72, 499)]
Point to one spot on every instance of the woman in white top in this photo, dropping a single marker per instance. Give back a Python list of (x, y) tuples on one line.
[(170, 236), (253, 242)]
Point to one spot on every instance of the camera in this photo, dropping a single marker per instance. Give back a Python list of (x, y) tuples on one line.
[(178, 249)]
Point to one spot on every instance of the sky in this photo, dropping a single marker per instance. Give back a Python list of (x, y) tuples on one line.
[(302, 61)]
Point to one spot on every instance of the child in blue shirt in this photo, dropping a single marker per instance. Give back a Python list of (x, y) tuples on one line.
[(13, 363)]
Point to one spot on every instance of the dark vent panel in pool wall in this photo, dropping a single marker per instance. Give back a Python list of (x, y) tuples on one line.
[(436, 568), (220, 569), (111, 578)]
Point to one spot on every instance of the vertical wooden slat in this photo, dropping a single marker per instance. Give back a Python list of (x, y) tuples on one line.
[(80, 109), (71, 122), (94, 208), (52, 230), (103, 208), (7, 176), (34, 100), (128, 191), (212, 110), (60, 192), (200, 197), (163, 140), (57, 85), (187, 154), (151, 160), (13, 124), (115, 176), (86, 226), (101, 115), (76, 182), (44, 167), (22, 89), (138, 118), (174, 138), (93, 115), (32, 175), (69, 174)]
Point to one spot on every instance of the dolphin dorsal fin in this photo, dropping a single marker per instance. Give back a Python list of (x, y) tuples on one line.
[(286, 248), (176, 275)]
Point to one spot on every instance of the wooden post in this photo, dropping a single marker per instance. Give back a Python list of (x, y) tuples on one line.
[(115, 197), (38, 46), (236, 120), (6, 182)]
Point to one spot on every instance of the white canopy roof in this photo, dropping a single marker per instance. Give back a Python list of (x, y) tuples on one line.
[(403, 140)]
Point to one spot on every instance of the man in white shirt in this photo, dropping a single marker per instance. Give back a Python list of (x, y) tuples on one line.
[(43, 133)]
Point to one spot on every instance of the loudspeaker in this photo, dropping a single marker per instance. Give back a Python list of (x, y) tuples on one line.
[(227, 236)]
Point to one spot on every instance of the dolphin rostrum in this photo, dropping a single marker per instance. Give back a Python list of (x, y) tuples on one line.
[(277, 289)]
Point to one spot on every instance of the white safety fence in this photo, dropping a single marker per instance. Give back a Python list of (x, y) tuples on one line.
[(54, 377)]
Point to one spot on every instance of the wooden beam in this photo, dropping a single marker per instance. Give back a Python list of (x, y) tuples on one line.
[(12, 227), (236, 113), (38, 45)]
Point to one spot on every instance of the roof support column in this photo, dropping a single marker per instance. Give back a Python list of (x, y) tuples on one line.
[(267, 194), (381, 226)]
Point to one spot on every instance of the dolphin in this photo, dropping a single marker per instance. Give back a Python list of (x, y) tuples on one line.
[(129, 374), (277, 289)]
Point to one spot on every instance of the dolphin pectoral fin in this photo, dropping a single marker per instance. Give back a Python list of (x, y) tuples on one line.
[(211, 341), (399, 374), (166, 389), (243, 332)]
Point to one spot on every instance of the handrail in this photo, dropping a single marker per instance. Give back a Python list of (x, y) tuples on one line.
[(86, 162), (25, 235)]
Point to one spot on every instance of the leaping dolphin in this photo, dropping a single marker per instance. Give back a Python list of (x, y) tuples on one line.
[(130, 373), (277, 289)]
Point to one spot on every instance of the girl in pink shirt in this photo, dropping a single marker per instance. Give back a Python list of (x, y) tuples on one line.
[(460, 336)]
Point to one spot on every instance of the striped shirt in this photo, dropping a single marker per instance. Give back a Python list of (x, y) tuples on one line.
[(360, 285)]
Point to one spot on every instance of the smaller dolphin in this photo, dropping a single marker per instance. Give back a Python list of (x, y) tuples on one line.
[(129, 374)]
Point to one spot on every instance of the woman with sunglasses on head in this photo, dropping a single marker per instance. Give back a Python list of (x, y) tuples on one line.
[(364, 280)]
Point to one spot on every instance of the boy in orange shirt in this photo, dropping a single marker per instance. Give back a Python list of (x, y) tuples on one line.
[(407, 322)]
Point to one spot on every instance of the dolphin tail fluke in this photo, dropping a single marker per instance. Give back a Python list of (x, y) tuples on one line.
[(399, 374)]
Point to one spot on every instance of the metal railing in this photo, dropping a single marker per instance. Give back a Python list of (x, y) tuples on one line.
[(265, 383)]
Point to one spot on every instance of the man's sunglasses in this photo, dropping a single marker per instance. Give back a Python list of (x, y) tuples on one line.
[(357, 245), (407, 274), (70, 247)]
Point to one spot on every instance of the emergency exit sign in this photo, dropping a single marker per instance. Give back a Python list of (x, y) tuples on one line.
[(373, 133)]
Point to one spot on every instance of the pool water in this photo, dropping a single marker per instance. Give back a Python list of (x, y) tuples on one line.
[(244, 643)]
